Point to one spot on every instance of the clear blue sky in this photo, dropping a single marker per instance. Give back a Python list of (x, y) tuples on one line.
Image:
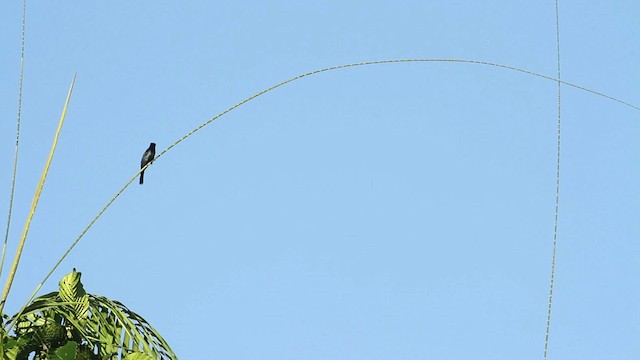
[(400, 211)]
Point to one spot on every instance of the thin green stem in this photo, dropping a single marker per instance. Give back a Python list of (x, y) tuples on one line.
[(557, 198), (15, 155)]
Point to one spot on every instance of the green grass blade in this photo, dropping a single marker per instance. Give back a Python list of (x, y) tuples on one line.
[(34, 203)]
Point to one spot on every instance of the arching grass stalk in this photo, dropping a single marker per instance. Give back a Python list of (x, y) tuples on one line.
[(557, 197), (34, 203), (15, 155), (338, 67)]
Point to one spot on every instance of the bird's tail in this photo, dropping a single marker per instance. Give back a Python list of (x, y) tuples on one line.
[(141, 178)]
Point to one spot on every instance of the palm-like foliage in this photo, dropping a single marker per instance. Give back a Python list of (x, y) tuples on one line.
[(71, 324)]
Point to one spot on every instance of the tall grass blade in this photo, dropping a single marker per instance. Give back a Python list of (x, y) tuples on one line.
[(34, 203)]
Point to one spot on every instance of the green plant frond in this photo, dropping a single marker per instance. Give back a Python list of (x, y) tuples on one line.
[(70, 287), (12, 348), (137, 356), (45, 308), (72, 291), (131, 331), (102, 324), (11, 353), (40, 304)]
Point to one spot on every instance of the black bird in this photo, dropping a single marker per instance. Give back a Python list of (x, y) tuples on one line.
[(147, 157)]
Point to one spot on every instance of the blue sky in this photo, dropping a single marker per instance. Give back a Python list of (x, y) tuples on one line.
[(399, 211)]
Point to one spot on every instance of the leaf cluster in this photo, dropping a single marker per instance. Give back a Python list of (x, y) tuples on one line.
[(70, 324)]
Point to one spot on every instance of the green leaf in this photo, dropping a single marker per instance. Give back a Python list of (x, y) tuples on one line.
[(65, 352), (13, 347), (72, 291), (137, 356)]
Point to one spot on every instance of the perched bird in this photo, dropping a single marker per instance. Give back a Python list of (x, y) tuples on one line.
[(147, 157)]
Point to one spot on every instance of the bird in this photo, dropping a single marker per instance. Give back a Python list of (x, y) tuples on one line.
[(147, 157)]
